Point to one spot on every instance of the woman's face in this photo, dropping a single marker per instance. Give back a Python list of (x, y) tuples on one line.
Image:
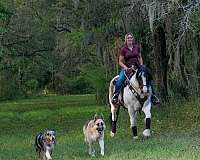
[(130, 39)]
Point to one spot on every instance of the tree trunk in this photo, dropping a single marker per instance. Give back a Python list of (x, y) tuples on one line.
[(196, 63), (161, 61)]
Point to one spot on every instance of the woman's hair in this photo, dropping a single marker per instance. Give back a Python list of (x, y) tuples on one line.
[(125, 40)]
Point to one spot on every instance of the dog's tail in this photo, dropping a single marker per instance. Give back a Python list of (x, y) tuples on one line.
[(38, 142), (35, 145), (84, 130), (85, 126)]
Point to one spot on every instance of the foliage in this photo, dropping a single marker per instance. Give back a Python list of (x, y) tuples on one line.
[(9, 88), (58, 45), (95, 75), (75, 37), (196, 21)]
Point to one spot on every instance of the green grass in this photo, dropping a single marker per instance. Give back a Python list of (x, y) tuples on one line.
[(176, 130)]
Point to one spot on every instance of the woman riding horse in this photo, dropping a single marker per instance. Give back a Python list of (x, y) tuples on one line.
[(130, 56)]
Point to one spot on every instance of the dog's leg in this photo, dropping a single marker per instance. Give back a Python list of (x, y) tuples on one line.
[(43, 155), (40, 154), (48, 155), (91, 150), (37, 150), (101, 144)]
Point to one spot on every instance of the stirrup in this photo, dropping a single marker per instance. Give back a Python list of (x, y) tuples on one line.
[(155, 100), (115, 99)]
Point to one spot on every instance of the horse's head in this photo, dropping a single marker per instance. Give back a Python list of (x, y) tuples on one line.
[(143, 76)]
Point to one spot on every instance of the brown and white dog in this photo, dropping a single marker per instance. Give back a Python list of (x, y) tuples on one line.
[(94, 131)]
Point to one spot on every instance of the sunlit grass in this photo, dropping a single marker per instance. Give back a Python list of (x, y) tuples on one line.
[(176, 130)]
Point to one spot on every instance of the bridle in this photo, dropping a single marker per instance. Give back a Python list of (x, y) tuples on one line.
[(135, 90)]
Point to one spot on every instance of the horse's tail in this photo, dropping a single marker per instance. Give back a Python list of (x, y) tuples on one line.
[(111, 89), (114, 109), (110, 95)]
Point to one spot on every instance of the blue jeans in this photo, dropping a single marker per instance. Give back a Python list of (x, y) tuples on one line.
[(119, 81)]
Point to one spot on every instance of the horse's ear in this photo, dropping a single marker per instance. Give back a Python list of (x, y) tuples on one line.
[(95, 117)]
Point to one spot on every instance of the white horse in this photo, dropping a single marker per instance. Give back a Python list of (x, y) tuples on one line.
[(136, 97)]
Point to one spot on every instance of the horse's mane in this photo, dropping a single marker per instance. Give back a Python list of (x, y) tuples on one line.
[(146, 70)]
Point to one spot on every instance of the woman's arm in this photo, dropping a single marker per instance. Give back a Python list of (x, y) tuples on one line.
[(121, 62)]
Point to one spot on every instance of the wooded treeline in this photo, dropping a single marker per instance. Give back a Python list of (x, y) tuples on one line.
[(71, 46)]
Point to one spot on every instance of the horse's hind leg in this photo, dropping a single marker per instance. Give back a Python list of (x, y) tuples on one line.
[(133, 121), (147, 111), (114, 117)]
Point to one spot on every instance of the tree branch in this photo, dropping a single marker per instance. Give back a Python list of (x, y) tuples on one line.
[(62, 29)]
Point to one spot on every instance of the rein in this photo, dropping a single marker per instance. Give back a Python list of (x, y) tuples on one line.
[(135, 92), (131, 87)]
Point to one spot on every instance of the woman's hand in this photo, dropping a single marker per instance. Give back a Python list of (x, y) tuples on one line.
[(121, 62), (129, 70)]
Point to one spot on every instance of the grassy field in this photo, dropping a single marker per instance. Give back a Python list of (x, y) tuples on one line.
[(176, 130)]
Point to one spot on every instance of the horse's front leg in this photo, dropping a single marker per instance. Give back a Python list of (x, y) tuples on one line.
[(147, 111), (114, 117), (133, 121)]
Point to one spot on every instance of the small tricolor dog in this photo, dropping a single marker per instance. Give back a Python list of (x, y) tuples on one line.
[(44, 144), (94, 131)]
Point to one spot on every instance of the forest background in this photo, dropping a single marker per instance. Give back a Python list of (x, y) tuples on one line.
[(72, 46)]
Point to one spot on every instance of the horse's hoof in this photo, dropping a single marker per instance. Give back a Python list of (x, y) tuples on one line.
[(102, 154), (112, 134), (92, 155), (147, 133), (135, 137)]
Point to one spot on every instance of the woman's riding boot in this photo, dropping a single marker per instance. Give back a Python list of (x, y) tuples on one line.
[(118, 86), (115, 98), (154, 99)]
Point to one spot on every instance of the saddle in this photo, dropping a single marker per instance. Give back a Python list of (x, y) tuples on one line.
[(129, 73)]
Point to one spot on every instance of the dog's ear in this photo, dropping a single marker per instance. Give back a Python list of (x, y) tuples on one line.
[(95, 117), (101, 116), (54, 132), (45, 131)]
